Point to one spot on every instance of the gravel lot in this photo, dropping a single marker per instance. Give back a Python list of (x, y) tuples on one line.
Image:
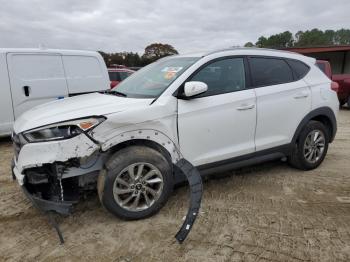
[(269, 212)]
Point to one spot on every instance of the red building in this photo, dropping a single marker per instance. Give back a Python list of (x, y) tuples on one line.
[(338, 56)]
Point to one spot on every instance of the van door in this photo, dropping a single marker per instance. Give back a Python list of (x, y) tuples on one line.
[(85, 74), (35, 79), (6, 112)]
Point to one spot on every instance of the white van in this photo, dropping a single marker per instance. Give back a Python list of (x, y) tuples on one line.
[(29, 77)]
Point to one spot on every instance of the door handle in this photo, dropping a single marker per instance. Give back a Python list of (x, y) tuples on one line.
[(26, 90), (245, 107), (301, 95)]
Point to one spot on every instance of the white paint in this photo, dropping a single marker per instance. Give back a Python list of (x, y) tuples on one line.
[(203, 130), (212, 128), (194, 88), (76, 107), (37, 154), (49, 74), (280, 110), (19, 176)]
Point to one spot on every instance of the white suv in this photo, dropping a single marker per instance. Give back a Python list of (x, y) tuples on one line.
[(218, 111)]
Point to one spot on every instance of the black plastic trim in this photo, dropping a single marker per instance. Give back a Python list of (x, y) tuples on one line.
[(62, 207), (246, 160), (196, 189), (321, 111)]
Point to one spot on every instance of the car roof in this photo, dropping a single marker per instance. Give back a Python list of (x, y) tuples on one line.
[(252, 51), (46, 51)]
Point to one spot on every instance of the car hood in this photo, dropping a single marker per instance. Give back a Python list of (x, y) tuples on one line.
[(94, 104)]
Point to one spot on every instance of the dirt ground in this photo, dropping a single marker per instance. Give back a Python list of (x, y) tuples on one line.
[(269, 212)]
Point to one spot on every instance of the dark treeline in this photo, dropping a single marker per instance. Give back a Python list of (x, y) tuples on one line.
[(314, 37), (152, 53), (308, 38)]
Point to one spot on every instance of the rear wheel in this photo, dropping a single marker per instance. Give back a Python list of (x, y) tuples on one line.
[(311, 147), (136, 182), (349, 101)]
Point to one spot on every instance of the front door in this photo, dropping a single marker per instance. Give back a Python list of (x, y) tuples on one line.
[(219, 124)]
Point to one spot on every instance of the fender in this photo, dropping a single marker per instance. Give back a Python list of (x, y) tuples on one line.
[(146, 134), (323, 112)]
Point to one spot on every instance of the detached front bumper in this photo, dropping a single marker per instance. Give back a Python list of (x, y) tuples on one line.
[(41, 170), (61, 207)]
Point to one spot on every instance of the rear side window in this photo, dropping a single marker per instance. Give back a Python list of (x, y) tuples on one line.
[(269, 71), (321, 66), (299, 68)]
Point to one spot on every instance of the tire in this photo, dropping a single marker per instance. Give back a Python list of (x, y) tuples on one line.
[(301, 157), (348, 101), (115, 179)]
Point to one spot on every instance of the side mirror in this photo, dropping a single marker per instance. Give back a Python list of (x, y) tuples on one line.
[(194, 88)]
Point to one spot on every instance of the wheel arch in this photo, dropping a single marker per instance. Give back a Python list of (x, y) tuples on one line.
[(142, 142), (325, 115), (149, 138)]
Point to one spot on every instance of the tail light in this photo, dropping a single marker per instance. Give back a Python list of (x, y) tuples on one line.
[(334, 86)]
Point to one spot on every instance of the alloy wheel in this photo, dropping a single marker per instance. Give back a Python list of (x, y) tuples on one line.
[(314, 146), (138, 186)]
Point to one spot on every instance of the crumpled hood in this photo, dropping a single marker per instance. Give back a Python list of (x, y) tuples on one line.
[(94, 104)]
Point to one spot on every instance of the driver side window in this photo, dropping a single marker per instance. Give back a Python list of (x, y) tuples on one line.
[(223, 76)]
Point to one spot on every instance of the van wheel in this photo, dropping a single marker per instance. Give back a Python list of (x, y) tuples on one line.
[(135, 183), (349, 101), (311, 147)]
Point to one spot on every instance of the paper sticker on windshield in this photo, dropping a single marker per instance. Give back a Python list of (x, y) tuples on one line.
[(170, 71), (174, 69), (169, 75)]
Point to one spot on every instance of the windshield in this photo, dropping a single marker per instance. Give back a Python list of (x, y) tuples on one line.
[(152, 80)]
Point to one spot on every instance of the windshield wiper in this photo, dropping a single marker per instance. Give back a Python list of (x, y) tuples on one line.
[(116, 93)]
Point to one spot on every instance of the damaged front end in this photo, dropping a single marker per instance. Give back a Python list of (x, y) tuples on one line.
[(54, 181), (56, 187), (55, 175)]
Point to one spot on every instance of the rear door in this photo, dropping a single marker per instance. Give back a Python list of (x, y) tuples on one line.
[(283, 99), (35, 79)]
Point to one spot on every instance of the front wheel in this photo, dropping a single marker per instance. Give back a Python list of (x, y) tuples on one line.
[(135, 183), (311, 147)]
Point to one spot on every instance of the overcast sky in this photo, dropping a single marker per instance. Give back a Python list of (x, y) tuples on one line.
[(130, 25)]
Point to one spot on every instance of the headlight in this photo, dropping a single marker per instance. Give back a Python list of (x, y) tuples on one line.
[(62, 130)]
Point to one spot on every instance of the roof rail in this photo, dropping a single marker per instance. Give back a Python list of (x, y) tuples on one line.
[(245, 48)]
